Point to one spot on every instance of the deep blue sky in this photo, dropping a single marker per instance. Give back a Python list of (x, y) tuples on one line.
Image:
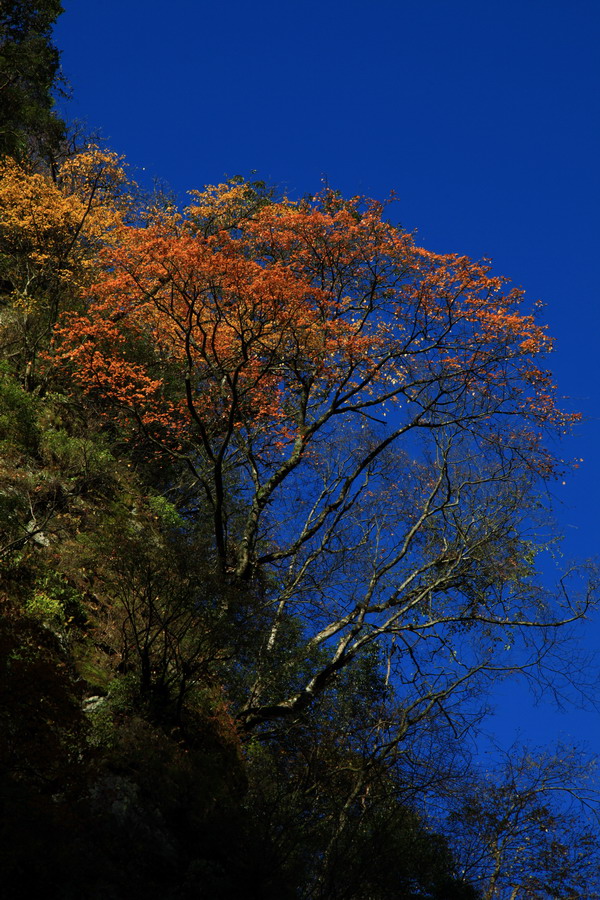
[(483, 116)]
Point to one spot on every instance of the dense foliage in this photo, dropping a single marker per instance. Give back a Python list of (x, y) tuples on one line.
[(269, 485), (29, 74)]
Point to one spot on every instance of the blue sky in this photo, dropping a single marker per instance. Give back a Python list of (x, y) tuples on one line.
[(483, 117)]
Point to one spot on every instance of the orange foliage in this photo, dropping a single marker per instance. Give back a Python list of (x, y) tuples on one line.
[(223, 325)]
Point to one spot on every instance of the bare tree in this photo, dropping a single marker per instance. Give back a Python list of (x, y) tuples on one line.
[(530, 827)]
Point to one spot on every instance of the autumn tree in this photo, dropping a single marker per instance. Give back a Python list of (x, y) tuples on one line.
[(364, 421), (51, 231), (271, 495)]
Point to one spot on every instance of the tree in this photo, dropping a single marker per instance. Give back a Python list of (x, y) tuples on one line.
[(329, 805), (29, 76), (365, 421), (529, 827), (50, 234)]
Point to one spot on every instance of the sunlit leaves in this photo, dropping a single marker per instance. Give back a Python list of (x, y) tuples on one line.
[(301, 310)]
